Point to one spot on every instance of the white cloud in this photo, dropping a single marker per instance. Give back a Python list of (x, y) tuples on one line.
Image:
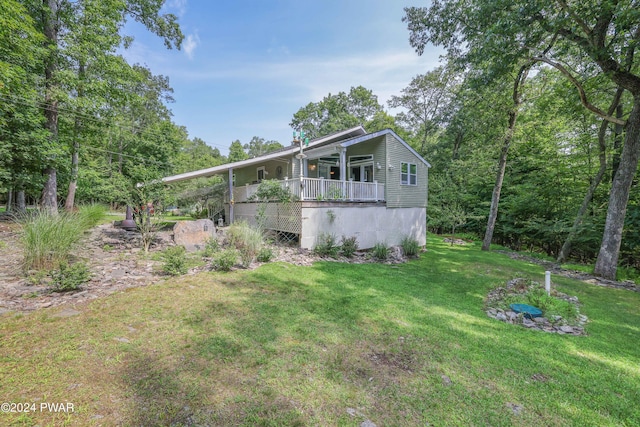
[(189, 44), (385, 73), (179, 6)]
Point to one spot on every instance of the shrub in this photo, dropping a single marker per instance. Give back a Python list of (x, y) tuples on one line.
[(224, 260), (265, 254), (48, 239), (211, 247), (327, 245), (247, 240), (69, 277), (380, 251), (410, 246), (349, 246), (175, 260)]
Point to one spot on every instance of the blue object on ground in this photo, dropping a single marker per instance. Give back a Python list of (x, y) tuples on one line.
[(529, 311)]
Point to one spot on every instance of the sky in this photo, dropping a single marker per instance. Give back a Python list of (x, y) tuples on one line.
[(246, 66)]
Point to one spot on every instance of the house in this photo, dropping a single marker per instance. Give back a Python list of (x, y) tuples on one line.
[(369, 185)]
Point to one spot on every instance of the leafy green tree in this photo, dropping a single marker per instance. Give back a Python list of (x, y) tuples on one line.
[(258, 146), (424, 102), (602, 35), (236, 152), (75, 35), (337, 112)]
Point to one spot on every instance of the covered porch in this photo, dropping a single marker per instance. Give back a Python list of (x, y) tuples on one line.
[(319, 189)]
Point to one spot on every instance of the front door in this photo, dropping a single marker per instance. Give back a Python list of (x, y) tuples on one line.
[(362, 173)]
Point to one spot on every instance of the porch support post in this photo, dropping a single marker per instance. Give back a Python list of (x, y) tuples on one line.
[(343, 170), (375, 189), (231, 201)]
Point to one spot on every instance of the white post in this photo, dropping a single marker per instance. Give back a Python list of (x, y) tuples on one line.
[(231, 200), (547, 282)]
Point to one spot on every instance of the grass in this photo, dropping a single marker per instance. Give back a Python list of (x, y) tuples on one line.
[(291, 345)]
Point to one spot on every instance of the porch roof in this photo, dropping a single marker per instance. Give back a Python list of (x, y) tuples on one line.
[(283, 154)]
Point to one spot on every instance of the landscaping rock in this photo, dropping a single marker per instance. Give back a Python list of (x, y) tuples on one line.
[(193, 235), (518, 288)]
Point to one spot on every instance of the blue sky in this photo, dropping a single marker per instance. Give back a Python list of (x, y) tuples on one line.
[(246, 66)]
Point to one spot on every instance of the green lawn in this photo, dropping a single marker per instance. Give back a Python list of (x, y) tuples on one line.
[(286, 345)]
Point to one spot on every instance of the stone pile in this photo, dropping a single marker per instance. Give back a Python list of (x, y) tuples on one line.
[(554, 324)]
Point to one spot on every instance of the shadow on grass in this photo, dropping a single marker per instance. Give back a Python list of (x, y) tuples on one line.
[(288, 345)]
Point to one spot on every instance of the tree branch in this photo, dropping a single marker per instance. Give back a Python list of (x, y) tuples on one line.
[(583, 95)]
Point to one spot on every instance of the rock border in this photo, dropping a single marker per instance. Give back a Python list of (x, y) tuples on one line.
[(557, 324)]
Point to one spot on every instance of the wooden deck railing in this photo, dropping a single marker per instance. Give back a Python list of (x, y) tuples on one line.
[(320, 189)]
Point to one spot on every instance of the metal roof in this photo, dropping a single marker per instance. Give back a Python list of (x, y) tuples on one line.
[(322, 145), (282, 153)]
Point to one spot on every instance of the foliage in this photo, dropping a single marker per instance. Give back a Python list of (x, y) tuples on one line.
[(265, 254), (175, 260), (48, 239), (380, 251), (247, 240), (91, 214), (211, 247), (225, 259), (258, 147), (271, 190), (410, 246), (236, 152), (348, 246), (327, 245), (337, 112), (69, 277)]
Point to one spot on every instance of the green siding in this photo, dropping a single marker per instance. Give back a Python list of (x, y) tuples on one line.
[(404, 196), (377, 148), (249, 174)]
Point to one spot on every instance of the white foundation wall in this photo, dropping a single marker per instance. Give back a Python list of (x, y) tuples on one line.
[(369, 223)]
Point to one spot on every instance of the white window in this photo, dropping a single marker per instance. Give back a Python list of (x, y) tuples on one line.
[(408, 174), (261, 173)]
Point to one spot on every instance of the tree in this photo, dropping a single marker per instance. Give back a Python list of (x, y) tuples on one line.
[(258, 146), (337, 112), (424, 101), (67, 26), (602, 34), (236, 152)]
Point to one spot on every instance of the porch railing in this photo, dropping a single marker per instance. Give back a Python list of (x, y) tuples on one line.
[(320, 189)]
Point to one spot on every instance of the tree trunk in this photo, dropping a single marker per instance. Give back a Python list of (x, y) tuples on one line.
[(502, 162), (73, 182), (607, 262), (21, 204), (617, 143), (9, 206), (50, 190), (602, 156)]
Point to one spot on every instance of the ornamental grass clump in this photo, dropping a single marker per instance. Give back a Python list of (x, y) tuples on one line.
[(410, 246), (48, 239), (91, 214), (247, 240), (380, 252)]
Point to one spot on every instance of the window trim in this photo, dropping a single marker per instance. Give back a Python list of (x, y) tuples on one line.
[(407, 180), (264, 173)]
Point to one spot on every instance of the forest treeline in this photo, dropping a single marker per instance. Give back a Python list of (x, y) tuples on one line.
[(530, 124)]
